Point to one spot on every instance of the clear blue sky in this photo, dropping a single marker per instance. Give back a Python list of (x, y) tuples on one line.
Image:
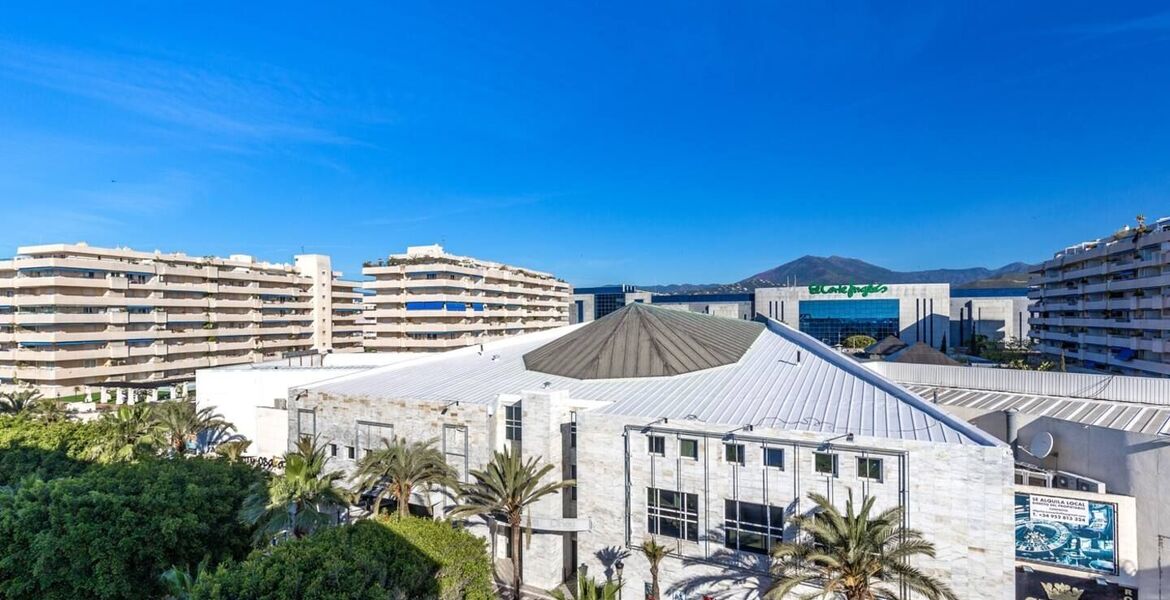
[(629, 142)]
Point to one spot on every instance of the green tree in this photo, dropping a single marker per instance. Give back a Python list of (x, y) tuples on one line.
[(182, 422), (398, 468), (591, 589), (110, 531), (179, 582), (131, 434), (44, 450), (372, 559), (858, 342), (297, 502), (233, 450), (654, 553), (853, 556), (503, 490)]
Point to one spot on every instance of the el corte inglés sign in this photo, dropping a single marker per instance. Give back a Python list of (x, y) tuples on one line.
[(848, 289)]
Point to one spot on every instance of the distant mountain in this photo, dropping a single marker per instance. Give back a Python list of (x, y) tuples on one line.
[(838, 269)]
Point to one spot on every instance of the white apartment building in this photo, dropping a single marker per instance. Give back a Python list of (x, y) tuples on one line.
[(1105, 304), (74, 316), (428, 300)]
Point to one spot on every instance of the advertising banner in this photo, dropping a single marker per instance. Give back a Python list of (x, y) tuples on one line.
[(1038, 585), (1072, 533)]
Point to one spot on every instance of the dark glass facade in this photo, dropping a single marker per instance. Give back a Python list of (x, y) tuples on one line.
[(831, 321), (603, 304)]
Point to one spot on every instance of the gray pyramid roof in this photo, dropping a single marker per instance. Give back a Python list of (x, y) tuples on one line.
[(645, 341), (887, 345), (922, 354)]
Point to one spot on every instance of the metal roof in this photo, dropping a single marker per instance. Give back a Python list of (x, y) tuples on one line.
[(641, 341), (1126, 416), (886, 345), (785, 380)]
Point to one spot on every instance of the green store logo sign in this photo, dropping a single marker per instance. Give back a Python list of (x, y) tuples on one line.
[(849, 289)]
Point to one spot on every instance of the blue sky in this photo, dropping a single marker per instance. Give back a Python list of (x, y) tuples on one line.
[(621, 142)]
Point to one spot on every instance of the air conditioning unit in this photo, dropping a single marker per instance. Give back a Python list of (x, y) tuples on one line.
[(1069, 481)]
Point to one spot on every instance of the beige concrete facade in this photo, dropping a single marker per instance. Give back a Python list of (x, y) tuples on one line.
[(74, 316), (1105, 304), (427, 300)]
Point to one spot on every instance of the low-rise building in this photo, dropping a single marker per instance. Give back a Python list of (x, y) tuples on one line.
[(427, 300), (1105, 304), (707, 433), (73, 316)]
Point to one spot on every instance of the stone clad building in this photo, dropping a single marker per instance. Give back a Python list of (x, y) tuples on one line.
[(705, 432)]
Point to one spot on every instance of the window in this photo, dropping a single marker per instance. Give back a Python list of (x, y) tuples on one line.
[(752, 527), (350, 452), (573, 476), (688, 448), (774, 457), (332, 449), (656, 444), (306, 422), (831, 321), (869, 468), (512, 422), (371, 435), (573, 429), (733, 453), (672, 514), (825, 463)]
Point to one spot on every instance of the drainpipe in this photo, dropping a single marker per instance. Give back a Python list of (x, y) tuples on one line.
[(1011, 417)]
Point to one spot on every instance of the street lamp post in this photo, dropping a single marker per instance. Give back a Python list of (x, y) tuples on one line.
[(619, 567)]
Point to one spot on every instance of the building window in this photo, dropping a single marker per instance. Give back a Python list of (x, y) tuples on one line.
[(688, 448), (752, 527), (372, 435), (573, 476), (733, 453), (306, 422), (656, 445), (831, 321), (512, 422), (825, 463), (573, 429), (774, 457), (672, 514), (332, 449), (869, 468), (350, 452)]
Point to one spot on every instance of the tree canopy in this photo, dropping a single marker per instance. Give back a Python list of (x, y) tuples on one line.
[(369, 560), (110, 530)]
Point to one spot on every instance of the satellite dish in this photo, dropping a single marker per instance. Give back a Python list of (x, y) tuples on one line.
[(1042, 444)]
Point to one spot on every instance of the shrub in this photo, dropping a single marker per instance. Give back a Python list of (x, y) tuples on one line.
[(858, 342), (109, 531), (409, 558)]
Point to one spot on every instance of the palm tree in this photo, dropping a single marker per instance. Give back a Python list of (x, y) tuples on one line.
[(590, 589), (180, 583), (131, 432), (299, 501), (19, 401), (654, 553), (182, 422), (233, 450), (502, 490), (853, 556), (399, 468)]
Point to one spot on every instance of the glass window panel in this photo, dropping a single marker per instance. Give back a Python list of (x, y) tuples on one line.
[(831, 321), (824, 463), (688, 449), (774, 457), (733, 453)]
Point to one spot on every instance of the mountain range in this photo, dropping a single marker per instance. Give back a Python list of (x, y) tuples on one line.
[(838, 269)]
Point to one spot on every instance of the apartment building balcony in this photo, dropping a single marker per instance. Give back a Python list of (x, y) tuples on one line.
[(61, 281), (412, 343)]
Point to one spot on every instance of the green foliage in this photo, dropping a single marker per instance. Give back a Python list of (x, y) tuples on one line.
[(181, 422), (411, 558), (131, 434), (299, 501), (591, 589), (858, 342), (853, 555), (111, 530), (654, 553), (35, 449)]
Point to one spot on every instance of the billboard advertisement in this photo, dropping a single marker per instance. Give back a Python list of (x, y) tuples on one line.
[(1072, 533), (1037, 585)]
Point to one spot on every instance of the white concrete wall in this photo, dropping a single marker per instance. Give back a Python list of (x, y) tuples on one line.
[(924, 309), (960, 496), (247, 397), (996, 318)]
